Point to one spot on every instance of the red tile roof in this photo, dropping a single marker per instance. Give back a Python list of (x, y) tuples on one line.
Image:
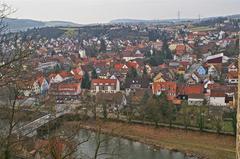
[(180, 49), (78, 77), (72, 87), (170, 88), (52, 75), (232, 75), (132, 64), (118, 66), (76, 71), (104, 81), (40, 80), (193, 89), (65, 74), (217, 93)]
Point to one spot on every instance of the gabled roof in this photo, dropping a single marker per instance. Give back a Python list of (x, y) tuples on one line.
[(40, 80), (233, 65), (52, 75), (76, 71)]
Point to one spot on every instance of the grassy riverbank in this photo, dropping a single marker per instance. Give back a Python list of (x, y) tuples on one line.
[(210, 146)]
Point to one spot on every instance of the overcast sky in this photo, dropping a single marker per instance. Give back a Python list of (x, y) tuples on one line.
[(101, 11)]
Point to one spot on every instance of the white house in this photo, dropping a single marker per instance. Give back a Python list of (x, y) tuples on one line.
[(212, 71), (105, 85), (129, 56), (217, 98), (195, 99), (40, 86)]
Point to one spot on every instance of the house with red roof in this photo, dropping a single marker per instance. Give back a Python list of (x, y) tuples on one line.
[(64, 91), (169, 88), (40, 85), (60, 77), (132, 64), (232, 77), (128, 56), (193, 89), (77, 71), (180, 49), (105, 85), (118, 66), (69, 89), (194, 92), (232, 67), (217, 97), (196, 99)]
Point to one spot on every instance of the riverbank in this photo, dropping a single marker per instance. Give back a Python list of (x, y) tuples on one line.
[(201, 145)]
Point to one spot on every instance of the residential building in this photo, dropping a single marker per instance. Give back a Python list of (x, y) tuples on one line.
[(105, 85), (196, 99), (169, 88), (217, 97)]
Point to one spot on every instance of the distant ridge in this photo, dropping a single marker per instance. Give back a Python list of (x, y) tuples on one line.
[(164, 21), (15, 25), (132, 21)]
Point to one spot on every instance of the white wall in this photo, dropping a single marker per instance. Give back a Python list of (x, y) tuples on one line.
[(217, 101)]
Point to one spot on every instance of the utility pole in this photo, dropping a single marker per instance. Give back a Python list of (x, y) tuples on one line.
[(238, 108)]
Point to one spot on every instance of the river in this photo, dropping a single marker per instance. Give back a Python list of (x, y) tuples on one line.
[(114, 147), (119, 148)]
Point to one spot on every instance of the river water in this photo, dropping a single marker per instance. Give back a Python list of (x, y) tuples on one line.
[(119, 148), (113, 147)]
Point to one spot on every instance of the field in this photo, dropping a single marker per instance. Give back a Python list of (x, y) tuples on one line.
[(202, 29), (206, 145)]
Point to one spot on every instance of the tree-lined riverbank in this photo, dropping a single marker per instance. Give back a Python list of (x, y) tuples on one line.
[(210, 146)]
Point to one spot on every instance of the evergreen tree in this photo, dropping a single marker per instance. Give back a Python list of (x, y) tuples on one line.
[(103, 46), (86, 83), (94, 74), (166, 51), (145, 71), (145, 98), (132, 73), (57, 68), (153, 110), (234, 121)]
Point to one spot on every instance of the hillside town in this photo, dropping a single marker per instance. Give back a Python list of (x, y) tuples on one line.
[(182, 76), (197, 67)]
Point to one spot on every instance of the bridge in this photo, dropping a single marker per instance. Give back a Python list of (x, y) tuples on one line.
[(29, 129)]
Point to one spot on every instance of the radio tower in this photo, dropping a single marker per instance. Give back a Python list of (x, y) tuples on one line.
[(238, 108), (199, 17), (179, 15)]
